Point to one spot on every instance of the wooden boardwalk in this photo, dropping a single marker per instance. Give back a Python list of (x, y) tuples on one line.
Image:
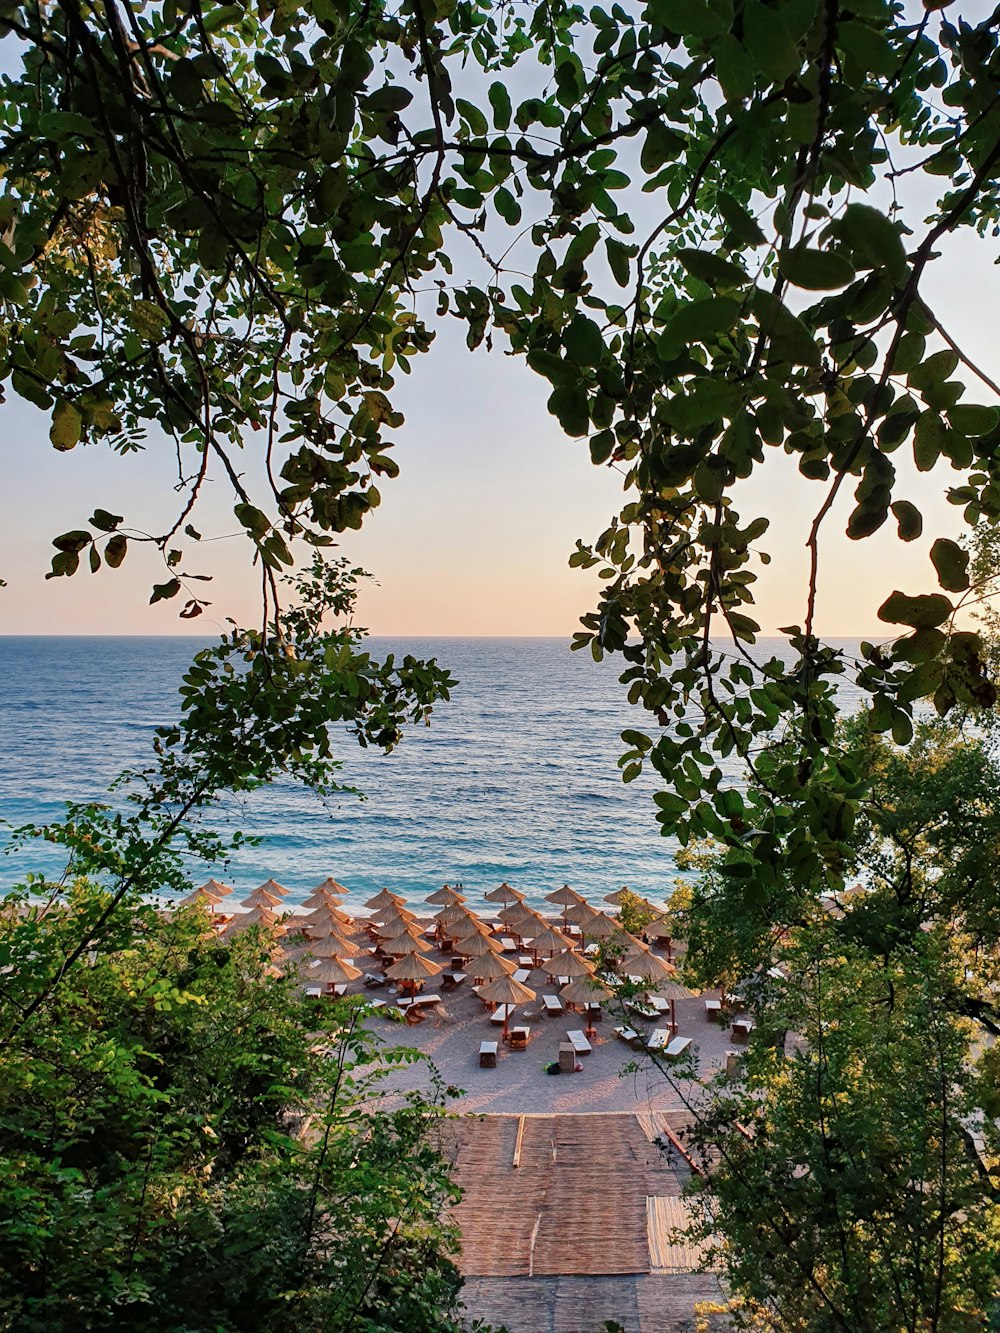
[(566, 1222)]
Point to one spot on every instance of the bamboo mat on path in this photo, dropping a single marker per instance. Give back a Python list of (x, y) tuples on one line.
[(575, 1204)]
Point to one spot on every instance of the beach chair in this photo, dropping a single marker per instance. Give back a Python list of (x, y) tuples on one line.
[(578, 1040), (487, 1055), (742, 1027), (553, 1005), (519, 1038), (630, 1037), (713, 1011), (676, 1048), (374, 979)]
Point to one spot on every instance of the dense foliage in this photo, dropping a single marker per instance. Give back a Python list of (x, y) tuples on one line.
[(186, 1143), (853, 1164), (707, 224)]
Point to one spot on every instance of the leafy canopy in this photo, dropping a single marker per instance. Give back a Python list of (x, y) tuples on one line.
[(693, 220)]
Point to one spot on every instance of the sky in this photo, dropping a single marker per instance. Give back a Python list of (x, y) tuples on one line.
[(474, 536)]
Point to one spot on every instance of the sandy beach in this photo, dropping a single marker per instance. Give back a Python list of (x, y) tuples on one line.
[(612, 1078)]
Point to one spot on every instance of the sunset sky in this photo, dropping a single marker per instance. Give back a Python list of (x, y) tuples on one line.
[(473, 538)]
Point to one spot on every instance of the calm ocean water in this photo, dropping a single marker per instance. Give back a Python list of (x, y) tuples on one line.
[(515, 779)]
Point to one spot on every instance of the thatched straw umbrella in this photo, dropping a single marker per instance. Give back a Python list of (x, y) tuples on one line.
[(330, 885), (672, 991), (504, 894), (321, 920), (477, 946), (602, 927), (548, 941), (200, 898), (580, 914), (490, 967), (507, 991), (445, 896), (405, 943), (640, 961), (566, 898), (259, 916), (216, 888), (331, 946), (463, 930), (451, 914), (272, 886), (333, 972), (385, 899), (321, 898), (616, 898), (412, 969), (569, 964), (585, 991), (261, 898)]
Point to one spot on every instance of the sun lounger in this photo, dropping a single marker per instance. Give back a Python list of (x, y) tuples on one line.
[(742, 1027), (630, 1037), (553, 1005), (522, 975), (314, 992), (713, 1011), (507, 944), (525, 960), (519, 1038), (579, 1043), (487, 1055), (658, 1040), (374, 979), (501, 1012), (676, 1048), (450, 980), (642, 1010)]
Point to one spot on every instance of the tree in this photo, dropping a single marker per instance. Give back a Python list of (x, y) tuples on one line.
[(861, 1152), (846, 1190), (188, 1143)]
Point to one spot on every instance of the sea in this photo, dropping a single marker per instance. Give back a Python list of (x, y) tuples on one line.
[(515, 779)]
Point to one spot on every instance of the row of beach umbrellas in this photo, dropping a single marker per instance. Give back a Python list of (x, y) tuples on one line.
[(399, 935)]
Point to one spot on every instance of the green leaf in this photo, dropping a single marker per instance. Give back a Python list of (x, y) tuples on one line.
[(768, 42), (734, 68), (973, 420), (500, 102), (618, 261), (935, 370), (929, 439), (583, 342), (699, 321), (568, 404), (816, 270), (741, 223), (164, 591), (478, 123), (67, 426), (507, 206), (105, 521), (392, 98), (787, 335), (115, 550), (149, 321), (952, 565), (712, 269), (922, 612), (255, 522), (909, 521), (873, 239), (909, 351)]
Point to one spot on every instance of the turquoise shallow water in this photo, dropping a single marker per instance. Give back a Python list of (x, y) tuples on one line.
[(515, 779)]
